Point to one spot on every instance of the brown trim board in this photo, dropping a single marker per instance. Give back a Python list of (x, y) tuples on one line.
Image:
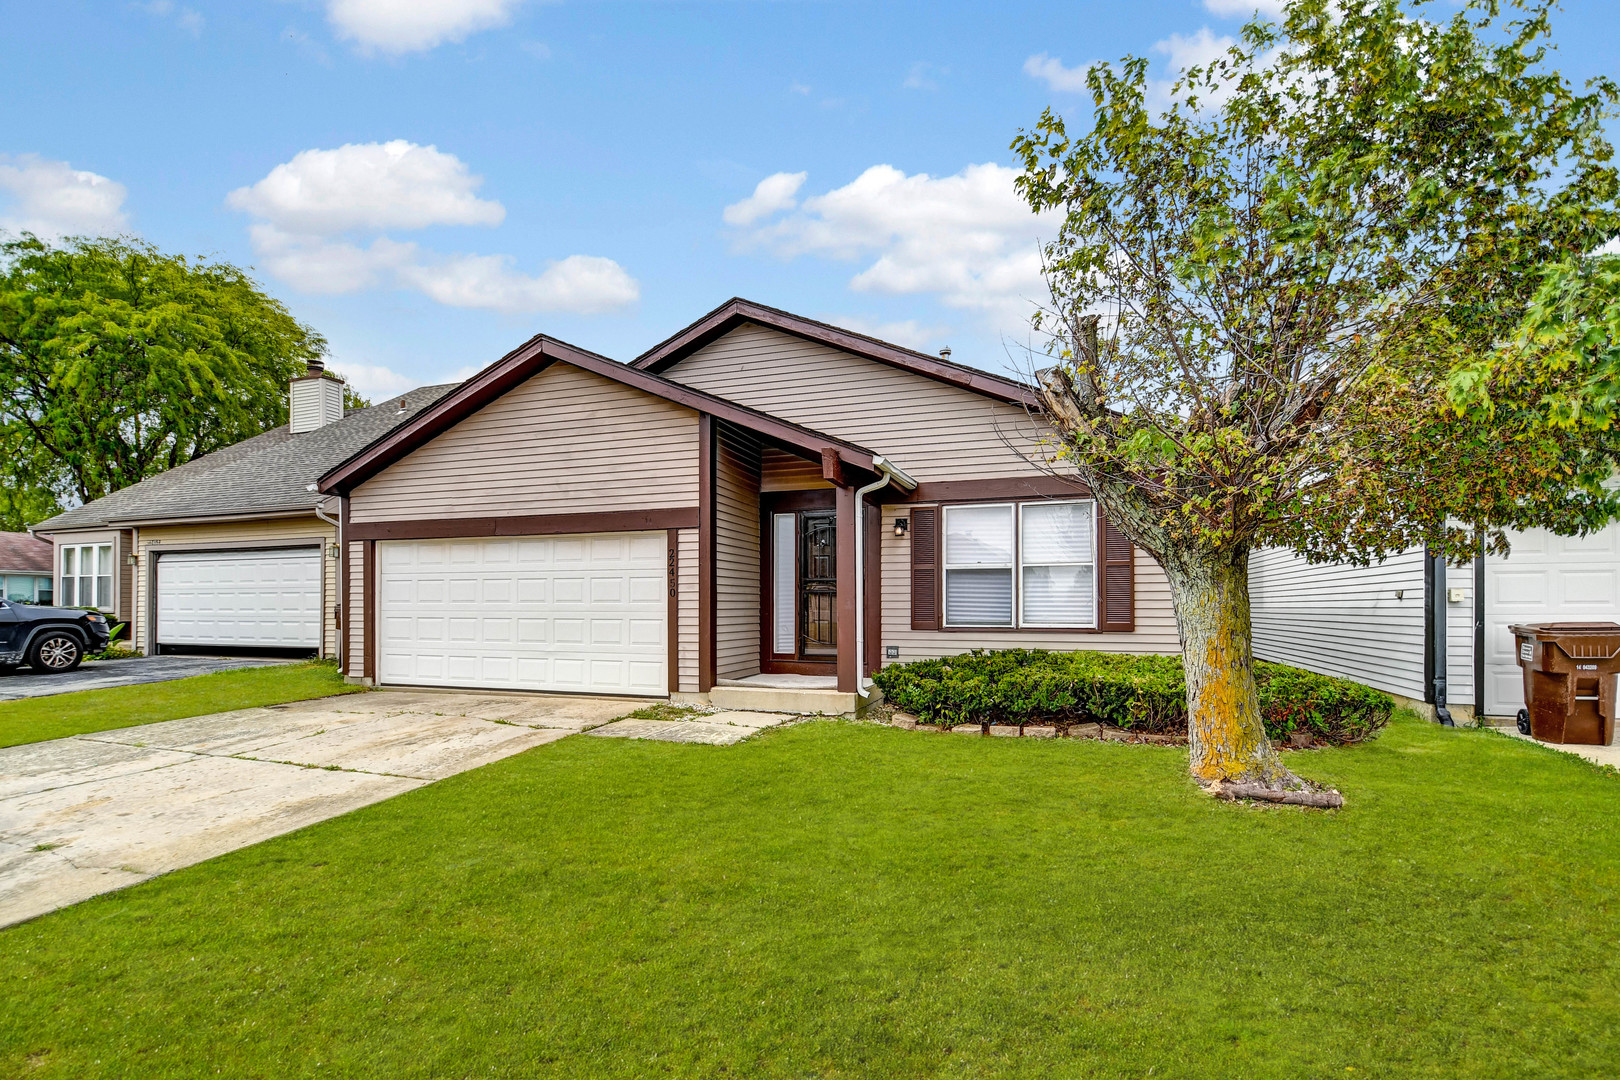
[(1012, 487), (736, 311), (849, 663), (536, 355), (345, 585), (706, 578), (525, 525)]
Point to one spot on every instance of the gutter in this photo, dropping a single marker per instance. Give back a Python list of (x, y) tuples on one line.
[(343, 631), (887, 474)]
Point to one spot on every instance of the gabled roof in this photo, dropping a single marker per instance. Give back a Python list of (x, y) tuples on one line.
[(21, 553), (264, 476), (539, 353), (737, 311)]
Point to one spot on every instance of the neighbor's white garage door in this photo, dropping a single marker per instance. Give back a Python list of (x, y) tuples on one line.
[(268, 599), (569, 613), (1546, 578)]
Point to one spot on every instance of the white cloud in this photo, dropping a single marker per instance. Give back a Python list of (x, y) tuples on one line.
[(322, 215), (1195, 51), (392, 185), (187, 19), (584, 284), (1611, 248), (52, 199), (908, 332), (402, 26), (374, 382), (1242, 9), (922, 76), (1058, 79), (771, 195), (968, 239)]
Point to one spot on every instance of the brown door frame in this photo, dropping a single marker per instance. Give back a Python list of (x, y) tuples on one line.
[(770, 504)]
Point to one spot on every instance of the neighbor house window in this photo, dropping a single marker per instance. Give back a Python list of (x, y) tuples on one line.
[(1027, 564), (27, 589), (87, 576)]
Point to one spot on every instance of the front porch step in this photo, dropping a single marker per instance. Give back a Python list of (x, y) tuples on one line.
[(803, 701)]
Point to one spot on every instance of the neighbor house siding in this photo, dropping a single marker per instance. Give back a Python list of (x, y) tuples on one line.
[(687, 613), (1155, 616), (932, 430), (736, 553), (355, 657), (566, 441), (1343, 620), (237, 535)]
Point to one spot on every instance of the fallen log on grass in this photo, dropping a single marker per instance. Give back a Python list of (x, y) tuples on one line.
[(1325, 800)]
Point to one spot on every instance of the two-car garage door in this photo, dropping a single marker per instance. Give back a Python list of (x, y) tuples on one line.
[(564, 613)]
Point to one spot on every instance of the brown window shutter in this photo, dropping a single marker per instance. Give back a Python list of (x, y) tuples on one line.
[(1118, 580), (925, 568)]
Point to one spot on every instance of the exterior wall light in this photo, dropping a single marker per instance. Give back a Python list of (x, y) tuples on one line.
[(901, 525)]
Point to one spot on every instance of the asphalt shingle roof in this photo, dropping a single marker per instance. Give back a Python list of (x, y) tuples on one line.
[(262, 475)]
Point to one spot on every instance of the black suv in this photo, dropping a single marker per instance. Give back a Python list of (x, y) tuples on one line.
[(49, 639)]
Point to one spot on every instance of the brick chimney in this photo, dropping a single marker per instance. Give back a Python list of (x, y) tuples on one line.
[(316, 399)]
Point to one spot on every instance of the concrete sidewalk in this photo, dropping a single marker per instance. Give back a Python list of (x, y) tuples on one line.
[(93, 813)]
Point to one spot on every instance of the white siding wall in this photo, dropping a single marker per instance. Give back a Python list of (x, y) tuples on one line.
[(567, 441), (932, 430), (1346, 620), (1459, 637), (687, 610), (1155, 615), (737, 557)]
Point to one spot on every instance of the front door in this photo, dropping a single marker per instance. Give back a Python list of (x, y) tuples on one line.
[(801, 632)]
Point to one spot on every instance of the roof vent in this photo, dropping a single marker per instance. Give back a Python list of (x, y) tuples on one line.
[(315, 399), (945, 353)]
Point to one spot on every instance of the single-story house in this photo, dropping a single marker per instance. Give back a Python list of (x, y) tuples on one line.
[(1417, 628), (234, 551), (25, 569), (761, 505)]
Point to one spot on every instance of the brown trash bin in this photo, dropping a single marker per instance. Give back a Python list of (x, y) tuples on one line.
[(1569, 680)]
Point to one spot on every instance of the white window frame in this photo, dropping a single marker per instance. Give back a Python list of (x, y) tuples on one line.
[(1017, 567), (101, 603)]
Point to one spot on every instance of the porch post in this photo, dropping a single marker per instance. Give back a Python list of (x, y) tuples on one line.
[(849, 664), (706, 590)]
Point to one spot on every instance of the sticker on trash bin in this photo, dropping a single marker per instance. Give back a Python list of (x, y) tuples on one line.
[(1527, 651)]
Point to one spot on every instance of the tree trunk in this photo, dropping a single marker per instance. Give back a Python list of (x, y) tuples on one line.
[(1225, 735)]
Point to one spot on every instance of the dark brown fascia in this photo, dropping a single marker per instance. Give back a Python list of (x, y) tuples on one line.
[(736, 311), (534, 356)]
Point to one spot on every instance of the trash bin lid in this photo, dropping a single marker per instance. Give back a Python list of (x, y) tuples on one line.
[(1547, 631)]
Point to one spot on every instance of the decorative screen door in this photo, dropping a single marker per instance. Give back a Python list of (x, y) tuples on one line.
[(804, 589)]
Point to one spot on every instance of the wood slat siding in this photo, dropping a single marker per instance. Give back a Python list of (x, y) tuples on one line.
[(687, 630), (225, 535), (737, 553), (933, 431), (354, 657), (1342, 620), (566, 441), (784, 472), (1155, 617)]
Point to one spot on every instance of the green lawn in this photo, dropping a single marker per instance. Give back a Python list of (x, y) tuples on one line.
[(60, 715), (843, 900)]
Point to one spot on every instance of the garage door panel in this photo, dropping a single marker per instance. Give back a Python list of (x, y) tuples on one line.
[(241, 599), (554, 613)]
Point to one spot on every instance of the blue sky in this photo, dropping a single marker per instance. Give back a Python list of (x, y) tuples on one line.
[(428, 182)]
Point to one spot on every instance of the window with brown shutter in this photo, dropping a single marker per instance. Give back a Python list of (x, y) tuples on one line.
[(925, 568), (1119, 580)]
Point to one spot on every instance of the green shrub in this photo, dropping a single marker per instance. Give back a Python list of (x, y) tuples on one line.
[(1144, 693)]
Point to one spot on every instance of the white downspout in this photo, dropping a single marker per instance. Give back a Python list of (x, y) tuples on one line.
[(887, 474), (337, 575)]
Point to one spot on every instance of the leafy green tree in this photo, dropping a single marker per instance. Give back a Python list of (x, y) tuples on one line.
[(1294, 307), (118, 361)]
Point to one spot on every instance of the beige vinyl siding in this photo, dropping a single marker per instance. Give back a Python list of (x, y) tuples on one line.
[(686, 610), (930, 429), (124, 598), (1155, 614), (226, 535), (354, 657), (1343, 620), (736, 549), (784, 472), (567, 441)]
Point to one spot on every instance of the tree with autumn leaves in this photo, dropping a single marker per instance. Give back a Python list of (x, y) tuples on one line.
[(1341, 295)]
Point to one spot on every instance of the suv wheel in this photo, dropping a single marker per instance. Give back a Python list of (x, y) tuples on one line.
[(55, 652)]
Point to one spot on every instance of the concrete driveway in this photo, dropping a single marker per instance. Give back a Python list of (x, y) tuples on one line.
[(93, 813), (24, 682)]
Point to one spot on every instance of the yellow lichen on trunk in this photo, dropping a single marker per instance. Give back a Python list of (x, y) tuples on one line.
[(1226, 737)]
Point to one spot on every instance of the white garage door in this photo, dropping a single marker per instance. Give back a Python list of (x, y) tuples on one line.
[(1546, 578), (267, 599), (570, 613)]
